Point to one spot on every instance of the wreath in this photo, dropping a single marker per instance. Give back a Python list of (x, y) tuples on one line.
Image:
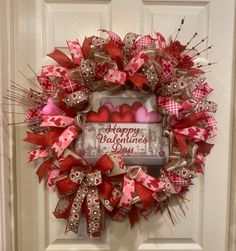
[(121, 126)]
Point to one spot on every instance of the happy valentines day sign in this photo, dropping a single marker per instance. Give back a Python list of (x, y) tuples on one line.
[(123, 140), (133, 140)]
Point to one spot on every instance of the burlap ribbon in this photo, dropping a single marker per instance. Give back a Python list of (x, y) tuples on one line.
[(88, 192)]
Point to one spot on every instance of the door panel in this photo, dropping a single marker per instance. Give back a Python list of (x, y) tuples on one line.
[(41, 26), (63, 21)]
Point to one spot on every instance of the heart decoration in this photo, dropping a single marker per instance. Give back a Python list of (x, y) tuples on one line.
[(136, 105), (51, 109), (136, 113), (125, 108), (126, 117), (111, 107), (103, 115), (143, 116)]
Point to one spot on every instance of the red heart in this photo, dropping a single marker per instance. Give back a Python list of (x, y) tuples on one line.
[(127, 117), (125, 108), (136, 105), (103, 115), (57, 122)]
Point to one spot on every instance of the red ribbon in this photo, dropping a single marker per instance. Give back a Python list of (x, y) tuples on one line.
[(146, 185), (62, 59), (188, 127), (130, 70), (182, 143), (86, 46), (115, 53), (189, 121), (44, 169), (43, 140)]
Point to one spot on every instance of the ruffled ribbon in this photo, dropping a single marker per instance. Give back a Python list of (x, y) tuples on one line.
[(55, 141), (197, 125), (129, 72), (190, 127), (135, 51), (137, 185)]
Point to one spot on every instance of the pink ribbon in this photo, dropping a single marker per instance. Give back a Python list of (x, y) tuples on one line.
[(75, 51), (60, 121), (135, 173), (32, 114), (178, 181), (61, 72), (54, 71), (51, 178), (173, 183), (212, 125), (116, 76), (167, 69), (127, 193), (160, 41), (68, 85), (194, 132), (66, 137), (202, 91), (48, 86), (144, 42), (38, 153), (113, 36), (64, 140), (170, 105), (135, 63), (200, 133)]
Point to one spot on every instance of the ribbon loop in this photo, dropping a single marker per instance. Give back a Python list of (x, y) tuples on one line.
[(134, 172), (78, 99), (76, 176), (93, 178), (137, 182)]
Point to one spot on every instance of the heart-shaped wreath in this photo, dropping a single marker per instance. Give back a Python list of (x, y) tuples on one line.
[(110, 186)]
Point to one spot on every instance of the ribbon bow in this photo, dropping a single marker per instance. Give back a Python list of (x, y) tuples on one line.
[(87, 183), (88, 189)]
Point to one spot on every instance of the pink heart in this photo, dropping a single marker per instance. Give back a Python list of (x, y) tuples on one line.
[(111, 107), (50, 108), (143, 116)]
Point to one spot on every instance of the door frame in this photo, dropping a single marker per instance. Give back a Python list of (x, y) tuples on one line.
[(7, 202), (8, 220), (232, 196)]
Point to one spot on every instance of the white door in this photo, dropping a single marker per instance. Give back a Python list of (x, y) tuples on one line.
[(42, 25)]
